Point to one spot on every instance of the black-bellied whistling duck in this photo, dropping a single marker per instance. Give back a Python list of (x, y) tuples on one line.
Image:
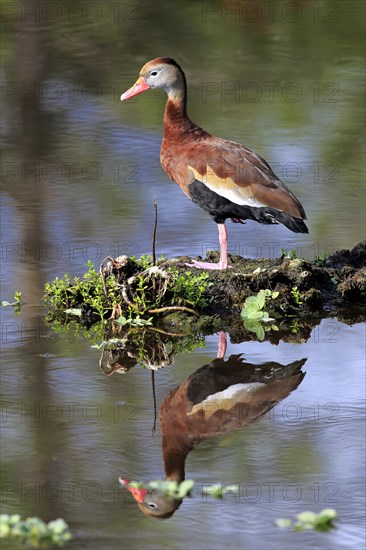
[(224, 178), (218, 398)]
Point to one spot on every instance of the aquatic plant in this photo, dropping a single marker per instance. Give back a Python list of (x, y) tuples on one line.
[(17, 303), (321, 259), (291, 254), (219, 491), (295, 293), (67, 294), (323, 521), (136, 322), (254, 313), (33, 532)]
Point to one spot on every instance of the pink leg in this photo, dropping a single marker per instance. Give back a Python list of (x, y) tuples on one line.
[(222, 345), (223, 252), (223, 245)]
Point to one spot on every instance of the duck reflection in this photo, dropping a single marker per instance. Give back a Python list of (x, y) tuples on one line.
[(218, 398)]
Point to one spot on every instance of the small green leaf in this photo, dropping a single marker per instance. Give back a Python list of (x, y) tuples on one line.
[(244, 313), (57, 526), (185, 487), (261, 300), (97, 346), (122, 320), (255, 315), (283, 523), (218, 493), (4, 530), (306, 517), (253, 306), (154, 484), (260, 333), (275, 294), (74, 311), (14, 518), (251, 325), (329, 513)]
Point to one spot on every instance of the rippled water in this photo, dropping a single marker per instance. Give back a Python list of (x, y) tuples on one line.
[(70, 432), (80, 172)]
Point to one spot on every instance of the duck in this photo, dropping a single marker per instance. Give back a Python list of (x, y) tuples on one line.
[(222, 177), (218, 398)]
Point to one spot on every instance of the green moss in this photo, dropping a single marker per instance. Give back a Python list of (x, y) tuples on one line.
[(129, 298), (87, 292), (189, 288)]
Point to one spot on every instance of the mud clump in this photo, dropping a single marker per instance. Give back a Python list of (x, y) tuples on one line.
[(302, 284), (353, 288)]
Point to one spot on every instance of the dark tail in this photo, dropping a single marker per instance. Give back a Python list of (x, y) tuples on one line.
[(264, 215), (297, 225), (271, 215)]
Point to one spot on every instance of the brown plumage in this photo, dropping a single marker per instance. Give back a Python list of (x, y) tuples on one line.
[(223, 177)]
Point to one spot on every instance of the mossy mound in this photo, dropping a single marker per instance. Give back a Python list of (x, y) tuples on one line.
[(329, 284), (183, 299)]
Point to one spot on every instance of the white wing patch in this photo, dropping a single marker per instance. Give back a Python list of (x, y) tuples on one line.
[(226, 187), (235, 197)]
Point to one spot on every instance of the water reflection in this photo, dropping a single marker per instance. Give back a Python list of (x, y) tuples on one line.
[(152, 347), (219, 397)]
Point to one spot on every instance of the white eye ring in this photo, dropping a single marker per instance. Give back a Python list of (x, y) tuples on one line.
[(152, 505), (154, 73)]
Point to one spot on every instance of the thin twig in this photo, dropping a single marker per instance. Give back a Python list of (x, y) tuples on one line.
[(155, 329), (154, 398), (112, 260), (173, 308), (116, 312), (154, 232)]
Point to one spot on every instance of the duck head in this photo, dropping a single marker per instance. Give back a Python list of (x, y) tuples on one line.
[(163, 72), (151, 502)]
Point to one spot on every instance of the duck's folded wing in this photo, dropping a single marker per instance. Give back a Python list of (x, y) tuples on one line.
[(241, 176)]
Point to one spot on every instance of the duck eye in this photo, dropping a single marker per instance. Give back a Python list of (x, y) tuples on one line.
[(154, 73), (151, 505)]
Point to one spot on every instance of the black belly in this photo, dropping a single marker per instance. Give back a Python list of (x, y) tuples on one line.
[(220, 209)]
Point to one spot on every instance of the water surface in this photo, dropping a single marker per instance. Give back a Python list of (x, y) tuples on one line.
[(80, 171)]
